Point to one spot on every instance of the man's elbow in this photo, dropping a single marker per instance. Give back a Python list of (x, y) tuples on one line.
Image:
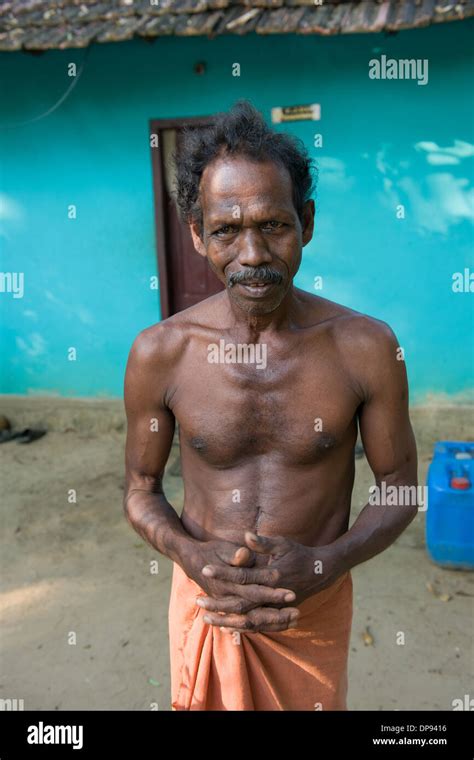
[(411, 500), (127, 511), (127, 507)]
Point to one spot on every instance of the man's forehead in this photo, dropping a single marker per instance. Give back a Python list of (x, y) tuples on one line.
[(227, 183)]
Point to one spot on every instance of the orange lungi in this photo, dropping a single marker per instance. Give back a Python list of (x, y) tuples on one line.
[(303, 668)]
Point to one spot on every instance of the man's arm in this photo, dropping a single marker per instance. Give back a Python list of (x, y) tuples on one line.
[(150, 429), (390, 448)]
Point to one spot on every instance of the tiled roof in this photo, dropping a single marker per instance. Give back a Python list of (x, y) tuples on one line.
[(45, 24)]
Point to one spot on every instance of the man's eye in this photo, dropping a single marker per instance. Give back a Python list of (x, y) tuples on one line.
[(272, 225), (227, 229)]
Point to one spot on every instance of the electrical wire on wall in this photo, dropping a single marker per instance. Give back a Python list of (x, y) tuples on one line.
[(58, 103)]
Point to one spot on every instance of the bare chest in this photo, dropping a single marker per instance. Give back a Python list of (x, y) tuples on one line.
[(296, 409)]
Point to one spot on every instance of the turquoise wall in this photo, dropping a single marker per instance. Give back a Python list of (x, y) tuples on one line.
[(385, 143)]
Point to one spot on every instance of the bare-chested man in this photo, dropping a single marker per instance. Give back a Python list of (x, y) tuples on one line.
[(260, 610)]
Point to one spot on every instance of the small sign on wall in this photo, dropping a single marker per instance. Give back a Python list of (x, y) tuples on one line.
[(296, 113)]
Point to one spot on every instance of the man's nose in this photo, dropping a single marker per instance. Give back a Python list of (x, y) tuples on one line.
[(253, 249)]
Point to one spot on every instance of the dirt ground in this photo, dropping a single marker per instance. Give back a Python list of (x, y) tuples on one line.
[(78, 570)]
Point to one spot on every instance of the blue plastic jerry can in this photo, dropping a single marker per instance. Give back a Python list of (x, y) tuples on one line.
[(450, 514)]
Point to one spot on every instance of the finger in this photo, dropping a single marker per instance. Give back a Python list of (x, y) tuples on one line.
[(226, 621), (264, 628), (263, 595), (243, 557), (266, 576), (250, 596), (239, 556), (264, 544), (262, 617), (269, 628), (231, 604), (255, 620)]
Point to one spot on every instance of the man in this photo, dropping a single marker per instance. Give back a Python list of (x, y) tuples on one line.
[(268, 384)]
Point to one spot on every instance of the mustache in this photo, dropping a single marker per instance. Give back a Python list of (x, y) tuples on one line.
[(255, 274)]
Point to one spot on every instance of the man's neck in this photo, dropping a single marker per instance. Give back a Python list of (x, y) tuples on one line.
[(252, 325)]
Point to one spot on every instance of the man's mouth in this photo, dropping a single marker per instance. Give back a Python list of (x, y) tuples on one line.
[(256, 288), (256, 280)]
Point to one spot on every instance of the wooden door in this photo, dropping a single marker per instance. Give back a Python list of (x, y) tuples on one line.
[(185, 276)]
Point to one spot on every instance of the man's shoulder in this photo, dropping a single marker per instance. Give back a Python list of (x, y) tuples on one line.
[(366, 347), (166, 340), (364, 332), (353, 329)]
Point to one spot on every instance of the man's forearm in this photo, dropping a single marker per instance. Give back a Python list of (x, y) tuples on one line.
[(155, 520), (376, 528)]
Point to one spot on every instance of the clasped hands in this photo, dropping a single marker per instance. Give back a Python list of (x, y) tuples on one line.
[(241, 597)]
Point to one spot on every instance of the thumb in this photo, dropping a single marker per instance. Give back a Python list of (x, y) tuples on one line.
[(265, 544), (240, 556), (243, 557)]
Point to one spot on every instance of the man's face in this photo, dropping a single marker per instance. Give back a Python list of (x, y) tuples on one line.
[(251, 233)]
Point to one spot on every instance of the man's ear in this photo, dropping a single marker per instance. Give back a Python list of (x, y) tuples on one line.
[(197, 240), (308, 221)]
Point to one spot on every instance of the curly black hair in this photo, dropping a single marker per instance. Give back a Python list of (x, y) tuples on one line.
[(241, 131)]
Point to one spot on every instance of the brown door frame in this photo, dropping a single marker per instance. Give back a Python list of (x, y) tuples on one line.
[(162, 252)]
